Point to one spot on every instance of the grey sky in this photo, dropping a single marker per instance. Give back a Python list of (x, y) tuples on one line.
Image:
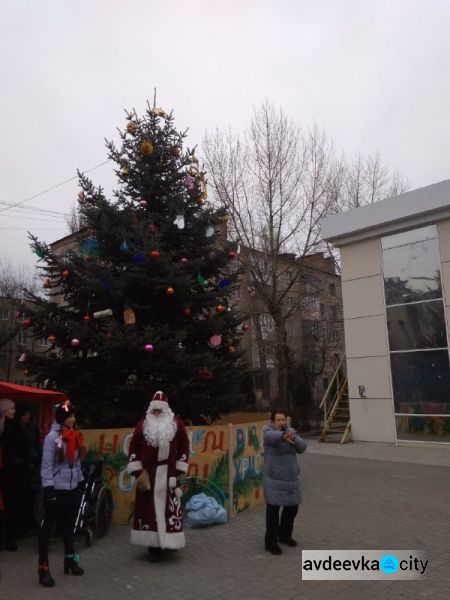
[(373, 74)]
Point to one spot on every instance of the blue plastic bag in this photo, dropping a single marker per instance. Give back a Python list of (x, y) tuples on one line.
[(202, 511)]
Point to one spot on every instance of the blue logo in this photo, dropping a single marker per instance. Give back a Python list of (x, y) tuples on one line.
[(389, 564)]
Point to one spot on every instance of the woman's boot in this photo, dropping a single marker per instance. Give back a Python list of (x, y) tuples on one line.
[(71, 564), (45, 577)]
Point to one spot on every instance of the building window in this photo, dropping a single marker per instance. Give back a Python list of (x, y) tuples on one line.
[(332, 289), (43, 342), (4, 314), (266, 321), (311, 302), (417, 334), (22, 338)]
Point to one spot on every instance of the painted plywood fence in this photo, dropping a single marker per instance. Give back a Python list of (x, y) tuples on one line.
[(225, 462)]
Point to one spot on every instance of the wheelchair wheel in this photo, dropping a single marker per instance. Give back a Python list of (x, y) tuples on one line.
[(88, 537), (103, 511)]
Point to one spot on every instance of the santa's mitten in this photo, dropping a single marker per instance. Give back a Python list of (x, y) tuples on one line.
[(172, 482), (178, 492)]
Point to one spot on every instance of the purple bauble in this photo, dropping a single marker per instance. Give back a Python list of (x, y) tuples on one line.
[(148, 347), (75, 342)]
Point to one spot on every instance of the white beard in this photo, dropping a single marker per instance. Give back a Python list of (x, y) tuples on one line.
[(159, 430)]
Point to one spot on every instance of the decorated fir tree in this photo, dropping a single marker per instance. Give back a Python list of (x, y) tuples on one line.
[(142, 300)]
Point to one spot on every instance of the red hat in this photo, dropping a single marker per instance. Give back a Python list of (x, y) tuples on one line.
[(159, 401)]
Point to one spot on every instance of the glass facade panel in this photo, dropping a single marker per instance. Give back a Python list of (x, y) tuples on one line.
[(409, 237), (411, 273), (414, 326), (421, 382), (424, 429), (417, 335)]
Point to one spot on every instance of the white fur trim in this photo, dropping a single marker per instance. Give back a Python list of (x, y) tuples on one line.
[(133, 466), (178, 492), (158, 405), (172, 482), (172, 541), (180, 465)]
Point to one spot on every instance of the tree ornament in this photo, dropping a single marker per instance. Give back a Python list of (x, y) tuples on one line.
[(65, 274), (154, 254), (231, 348), (215, 340), (193, 167), (124, 172), (81, 197), (51, 339), (203, 188), (245, 327), (175, 151), (132, 127), (224, 283), (75, 342), (103, 314), (89, 247), (124, 246), (170, 291), (189, 182), (138, 259), (159, 112), (220, 308), (143, 203), (209, 231), (26, 323), (179, 221), (129, 318), (22, 358), (187, 311), (46, 283), (86, 318), (146, 148), (152, 228), (232, 254), (184, 260), (149, 348), (201, 280)]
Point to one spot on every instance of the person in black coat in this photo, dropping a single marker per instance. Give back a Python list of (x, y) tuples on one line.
[(15, 479)]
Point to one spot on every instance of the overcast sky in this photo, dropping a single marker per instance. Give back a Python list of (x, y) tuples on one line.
[(373, 73)]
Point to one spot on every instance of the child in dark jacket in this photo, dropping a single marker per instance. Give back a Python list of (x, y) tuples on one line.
[(61, 480)]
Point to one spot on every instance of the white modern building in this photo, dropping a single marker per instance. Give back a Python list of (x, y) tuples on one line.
[(395, 257)]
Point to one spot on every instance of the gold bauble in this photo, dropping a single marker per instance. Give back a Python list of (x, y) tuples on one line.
[(147, 148)]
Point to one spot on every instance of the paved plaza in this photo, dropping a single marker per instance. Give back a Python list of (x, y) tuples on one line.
[(352, 500)]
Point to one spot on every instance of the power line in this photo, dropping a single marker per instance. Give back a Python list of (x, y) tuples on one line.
[(53, 187)]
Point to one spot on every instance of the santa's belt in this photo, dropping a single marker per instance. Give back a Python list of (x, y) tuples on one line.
[(162, 462)]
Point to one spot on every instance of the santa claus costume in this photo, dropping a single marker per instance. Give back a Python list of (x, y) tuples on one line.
[(158, 455)]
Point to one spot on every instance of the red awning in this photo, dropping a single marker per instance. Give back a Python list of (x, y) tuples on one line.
[(29, 394)]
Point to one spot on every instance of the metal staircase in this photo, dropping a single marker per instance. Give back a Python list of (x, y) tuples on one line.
[(335, 405)]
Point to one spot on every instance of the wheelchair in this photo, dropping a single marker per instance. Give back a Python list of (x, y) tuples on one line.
[(94, 514)]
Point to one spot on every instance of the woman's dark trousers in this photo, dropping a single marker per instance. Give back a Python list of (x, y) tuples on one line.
[(63, 511), (276, 528)]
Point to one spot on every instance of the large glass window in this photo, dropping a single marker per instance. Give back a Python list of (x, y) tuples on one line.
[(417, 334)]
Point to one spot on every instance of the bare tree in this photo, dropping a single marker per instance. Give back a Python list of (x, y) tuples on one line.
[(13, 282), (276, 183), (75, 220)]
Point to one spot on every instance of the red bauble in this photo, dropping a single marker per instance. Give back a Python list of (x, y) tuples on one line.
[(204, 373), (231, 348), (232, 254), (175, 151), (220, 308), (183, 260), (66, 274), (86, 318), (26, 323), (245, 327), (51, 339), (152, 228), (154, 254), (187, 311), (170, 291)]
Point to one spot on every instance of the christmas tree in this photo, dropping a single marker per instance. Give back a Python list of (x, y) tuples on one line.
[(142, 302)]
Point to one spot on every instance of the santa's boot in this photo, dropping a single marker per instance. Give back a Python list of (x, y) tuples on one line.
[(45, 577)]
